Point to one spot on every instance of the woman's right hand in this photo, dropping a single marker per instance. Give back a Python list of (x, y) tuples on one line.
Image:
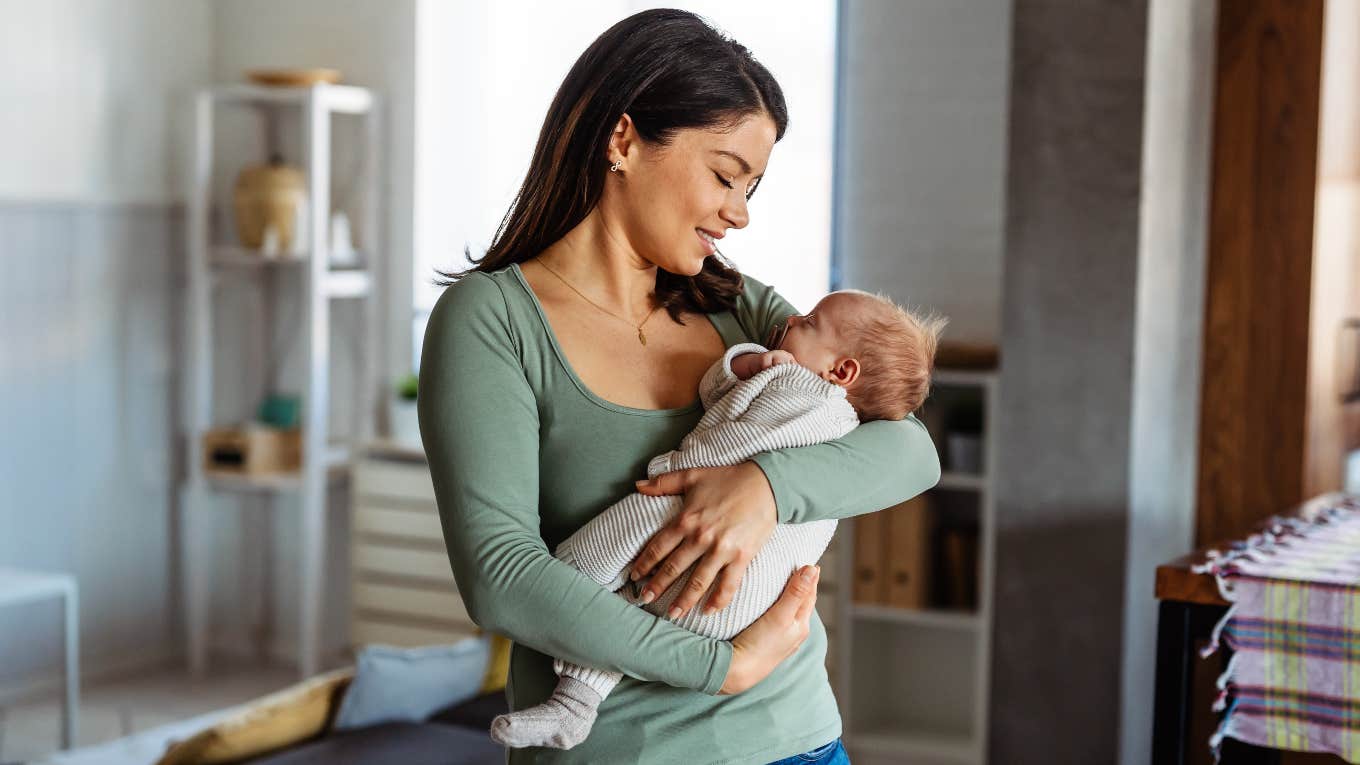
[(772, 638)]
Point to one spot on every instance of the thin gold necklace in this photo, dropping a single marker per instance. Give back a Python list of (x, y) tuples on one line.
[(641, 337)]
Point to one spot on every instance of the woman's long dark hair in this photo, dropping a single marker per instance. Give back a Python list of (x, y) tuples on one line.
[(668, 70)]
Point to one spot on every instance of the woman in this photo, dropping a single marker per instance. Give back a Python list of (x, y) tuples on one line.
[(551, 375)]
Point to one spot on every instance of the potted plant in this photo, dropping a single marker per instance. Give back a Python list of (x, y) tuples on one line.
[(405, 423)]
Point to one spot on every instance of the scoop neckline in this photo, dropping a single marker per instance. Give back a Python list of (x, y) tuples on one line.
[(579, 383)]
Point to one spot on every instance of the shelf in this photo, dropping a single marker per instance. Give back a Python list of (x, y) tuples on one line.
[(235, 256), (227, 255), (974, 378), (313, 115), (348, 284), (340, 282), (925, 617), (934, 745), (394, 449), (962, 481), (342, 99), (914, 683), (337, 464)]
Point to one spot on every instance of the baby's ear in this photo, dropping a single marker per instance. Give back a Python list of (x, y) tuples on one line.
[(845, 372)]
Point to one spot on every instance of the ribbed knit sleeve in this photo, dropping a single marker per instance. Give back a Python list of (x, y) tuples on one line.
[(719, 379), (877, 465)]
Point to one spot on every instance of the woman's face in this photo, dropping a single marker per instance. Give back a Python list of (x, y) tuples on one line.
[(671, 199)]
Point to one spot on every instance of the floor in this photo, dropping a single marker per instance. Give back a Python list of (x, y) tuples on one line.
[(114, 709)]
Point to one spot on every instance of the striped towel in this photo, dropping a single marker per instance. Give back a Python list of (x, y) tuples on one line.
[(1293, 682)]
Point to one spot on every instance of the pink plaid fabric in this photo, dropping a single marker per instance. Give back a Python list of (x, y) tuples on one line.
[(1293, 681)]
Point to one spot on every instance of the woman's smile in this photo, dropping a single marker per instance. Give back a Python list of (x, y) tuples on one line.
[(709, 240)]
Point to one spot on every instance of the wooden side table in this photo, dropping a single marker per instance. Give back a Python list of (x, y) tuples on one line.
[(1190, 607), (18, 586)]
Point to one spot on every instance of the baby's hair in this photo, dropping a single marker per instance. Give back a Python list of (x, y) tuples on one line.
[(896, 350)]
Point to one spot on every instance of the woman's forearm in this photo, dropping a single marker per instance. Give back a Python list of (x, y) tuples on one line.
[(877, 465), (520, 591)]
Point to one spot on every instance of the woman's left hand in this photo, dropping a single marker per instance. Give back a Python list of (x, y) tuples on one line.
[(729, 514)]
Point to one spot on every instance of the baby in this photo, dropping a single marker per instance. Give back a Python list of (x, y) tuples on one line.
[(856, 357)]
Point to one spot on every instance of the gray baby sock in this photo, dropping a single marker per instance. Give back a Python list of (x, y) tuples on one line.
[(561, 722)]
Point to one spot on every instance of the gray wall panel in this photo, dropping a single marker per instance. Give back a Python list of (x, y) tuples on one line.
[(85, 386), (1070, 277)]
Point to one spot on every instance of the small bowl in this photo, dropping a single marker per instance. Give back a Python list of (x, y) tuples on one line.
[(293, 78)]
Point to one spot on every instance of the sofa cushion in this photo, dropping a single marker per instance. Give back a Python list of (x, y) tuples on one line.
[(393, 684), (406, 743), (275, 721)]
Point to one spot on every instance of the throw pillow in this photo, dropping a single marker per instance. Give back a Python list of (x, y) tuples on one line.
[(409, 684), (280, 719)]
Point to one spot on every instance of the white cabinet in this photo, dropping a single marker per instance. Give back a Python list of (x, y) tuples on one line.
[(402, 587)]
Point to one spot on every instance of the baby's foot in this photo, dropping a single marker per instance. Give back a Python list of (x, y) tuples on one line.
[(561, 722)]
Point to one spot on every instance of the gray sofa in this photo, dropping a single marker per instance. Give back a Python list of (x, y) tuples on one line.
[(454, 736)]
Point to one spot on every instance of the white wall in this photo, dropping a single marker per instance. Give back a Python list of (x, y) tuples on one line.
[(1336, 247), (923, 156), (89, 88), (1338, 140), (90, 241), (1172, 256)]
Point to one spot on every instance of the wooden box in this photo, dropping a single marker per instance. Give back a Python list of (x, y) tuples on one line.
[(252, 450)]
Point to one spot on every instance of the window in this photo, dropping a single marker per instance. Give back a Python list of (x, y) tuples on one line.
[(481, 97)]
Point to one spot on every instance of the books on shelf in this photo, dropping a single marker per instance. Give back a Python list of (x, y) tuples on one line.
[(869, 564), (892, 555), (919, 555), (907, 583)]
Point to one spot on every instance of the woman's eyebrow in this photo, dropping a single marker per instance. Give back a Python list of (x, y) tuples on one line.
[(745, 166)]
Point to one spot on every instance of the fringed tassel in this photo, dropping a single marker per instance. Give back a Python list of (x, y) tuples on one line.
[(1225, 677), (1216, 740), (1208, 650)]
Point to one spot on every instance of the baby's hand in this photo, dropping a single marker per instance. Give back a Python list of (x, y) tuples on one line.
[(748, 365)]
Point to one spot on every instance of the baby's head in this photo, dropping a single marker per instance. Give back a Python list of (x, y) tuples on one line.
[(878, 351)]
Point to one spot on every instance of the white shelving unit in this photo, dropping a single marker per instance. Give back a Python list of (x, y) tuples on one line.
[(913, 684), (211, 262)]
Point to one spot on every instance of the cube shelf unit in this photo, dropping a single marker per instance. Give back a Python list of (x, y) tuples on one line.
[(213, 264), (913, 684)]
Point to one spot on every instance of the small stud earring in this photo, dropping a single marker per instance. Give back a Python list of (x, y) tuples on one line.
[(615, 167)]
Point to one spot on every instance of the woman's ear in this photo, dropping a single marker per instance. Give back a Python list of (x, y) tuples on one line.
[(844, 373), (623, 141)]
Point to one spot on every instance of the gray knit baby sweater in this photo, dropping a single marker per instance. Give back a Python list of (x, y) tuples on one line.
[(783, 406)]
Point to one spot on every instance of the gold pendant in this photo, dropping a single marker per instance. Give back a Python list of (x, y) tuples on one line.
[(641, 337)]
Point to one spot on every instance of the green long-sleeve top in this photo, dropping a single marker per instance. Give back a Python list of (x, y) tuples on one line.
[(523, 454)]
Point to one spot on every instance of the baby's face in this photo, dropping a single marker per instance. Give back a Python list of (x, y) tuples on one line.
[(814, 338)]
